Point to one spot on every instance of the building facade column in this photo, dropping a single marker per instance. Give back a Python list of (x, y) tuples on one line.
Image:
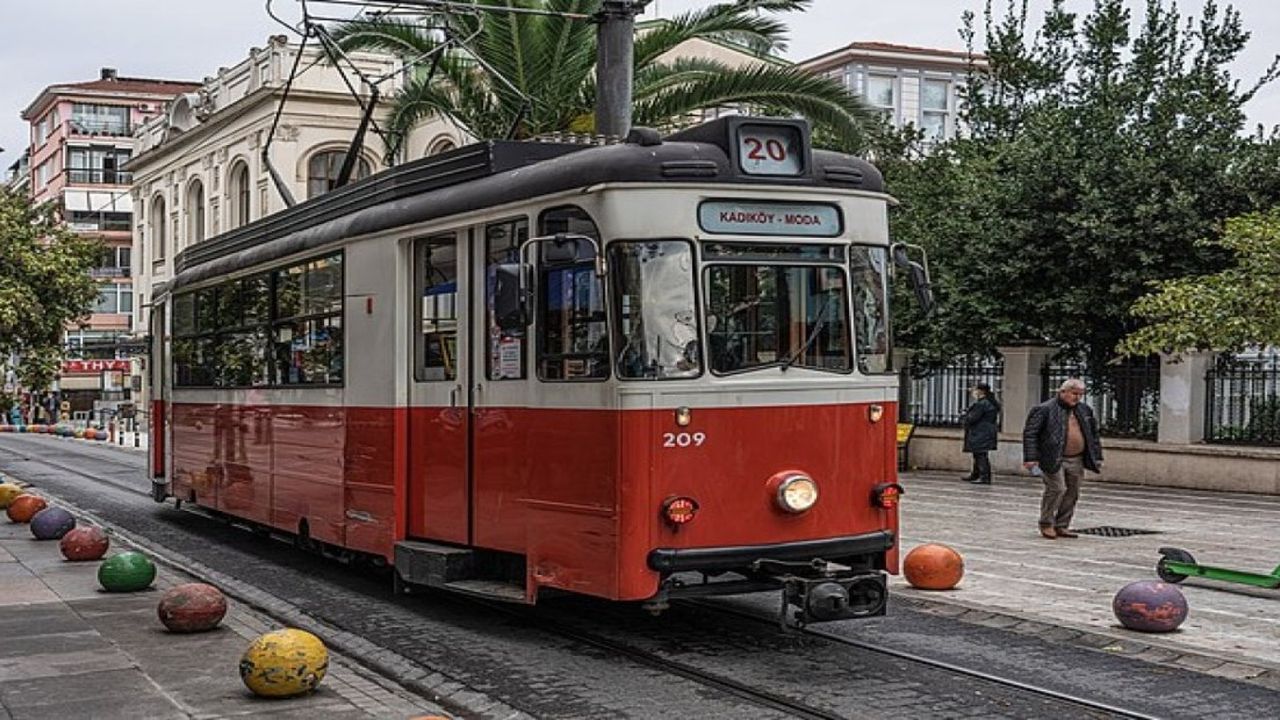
[(1022, 381), (1182, 396)]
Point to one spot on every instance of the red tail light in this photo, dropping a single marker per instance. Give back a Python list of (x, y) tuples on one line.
[(679, 510), (887, 495)]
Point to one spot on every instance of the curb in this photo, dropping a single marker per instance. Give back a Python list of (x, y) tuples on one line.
[(432, 684), (1225, 666)]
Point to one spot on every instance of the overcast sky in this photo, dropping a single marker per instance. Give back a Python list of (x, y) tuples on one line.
[(54, 41)]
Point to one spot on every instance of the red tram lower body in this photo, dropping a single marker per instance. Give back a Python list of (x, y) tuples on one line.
[(578, 494)]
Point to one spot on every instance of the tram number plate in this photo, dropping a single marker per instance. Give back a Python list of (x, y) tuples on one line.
[(683, 439), (770, 150)]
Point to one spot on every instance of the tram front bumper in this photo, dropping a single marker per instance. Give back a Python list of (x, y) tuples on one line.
[(821, 580), (720, 559)]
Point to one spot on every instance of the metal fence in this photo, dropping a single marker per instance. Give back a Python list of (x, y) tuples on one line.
[(1242, 401), (1125, 398), (938, 396)]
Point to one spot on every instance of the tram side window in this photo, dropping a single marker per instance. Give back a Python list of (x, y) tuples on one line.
[(235, 335), (436, 265), (573, 328), (657, 333), (506, 348), (868, 270), (307, 330)]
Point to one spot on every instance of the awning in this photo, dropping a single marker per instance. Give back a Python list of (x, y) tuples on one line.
[(97, 201)]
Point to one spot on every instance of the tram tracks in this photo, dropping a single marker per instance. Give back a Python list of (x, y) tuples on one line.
[(915, 658)]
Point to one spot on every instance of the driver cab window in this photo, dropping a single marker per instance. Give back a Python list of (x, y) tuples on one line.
[(436, 268), (573, 331)]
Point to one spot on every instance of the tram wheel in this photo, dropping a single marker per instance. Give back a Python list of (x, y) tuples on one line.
[(1176, 555)]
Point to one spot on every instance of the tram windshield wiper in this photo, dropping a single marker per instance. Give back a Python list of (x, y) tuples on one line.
[(819, 323)]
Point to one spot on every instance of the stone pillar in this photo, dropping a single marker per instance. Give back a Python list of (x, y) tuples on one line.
[(1022, 381), (1182, 397)]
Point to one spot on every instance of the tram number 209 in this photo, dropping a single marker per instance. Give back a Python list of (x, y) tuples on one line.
[(683, 440)]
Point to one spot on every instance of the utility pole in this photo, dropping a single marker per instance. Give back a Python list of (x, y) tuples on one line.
[(615, 62)]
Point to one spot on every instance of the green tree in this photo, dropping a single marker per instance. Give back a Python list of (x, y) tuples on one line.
[(1225, 311), (551, 61), (44, 285), (1098, 151)]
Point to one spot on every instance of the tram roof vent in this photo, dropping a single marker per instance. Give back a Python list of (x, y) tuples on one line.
[(643, 136)]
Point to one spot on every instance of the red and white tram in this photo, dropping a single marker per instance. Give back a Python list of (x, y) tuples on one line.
[(635, 371)]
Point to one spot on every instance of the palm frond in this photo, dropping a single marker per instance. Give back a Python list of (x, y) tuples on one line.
[(727, 22), (825, 102), (402, 38)]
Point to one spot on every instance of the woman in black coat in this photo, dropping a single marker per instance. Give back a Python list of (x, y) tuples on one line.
[(981, 427)]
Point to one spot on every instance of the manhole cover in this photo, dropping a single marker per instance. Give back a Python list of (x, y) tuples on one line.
[(1111, 531)]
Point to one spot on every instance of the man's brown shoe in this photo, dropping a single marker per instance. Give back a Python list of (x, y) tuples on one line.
[(1065, 533), (1048, 532)]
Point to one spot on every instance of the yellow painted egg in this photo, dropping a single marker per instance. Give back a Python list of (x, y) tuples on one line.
[(284, 663), (8, 491)]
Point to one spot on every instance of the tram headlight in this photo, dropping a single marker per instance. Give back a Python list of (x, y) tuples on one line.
[(797, 493)]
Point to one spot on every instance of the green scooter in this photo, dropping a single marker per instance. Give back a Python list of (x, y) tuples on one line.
[(1177, 565)]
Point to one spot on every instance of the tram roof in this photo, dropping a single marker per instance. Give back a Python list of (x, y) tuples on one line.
[(498, 172)]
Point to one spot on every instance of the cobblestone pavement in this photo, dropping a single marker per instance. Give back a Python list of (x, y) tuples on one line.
[(71, 650), (491, 664), (1011, 572)]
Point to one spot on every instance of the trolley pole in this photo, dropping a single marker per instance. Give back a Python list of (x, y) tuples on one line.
[(615, 62)]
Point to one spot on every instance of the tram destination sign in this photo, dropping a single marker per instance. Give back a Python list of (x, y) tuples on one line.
[(735, 217)]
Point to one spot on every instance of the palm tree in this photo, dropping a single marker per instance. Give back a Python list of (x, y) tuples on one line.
[(524, 75)]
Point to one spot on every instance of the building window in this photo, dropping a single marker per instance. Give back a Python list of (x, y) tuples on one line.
[(114, 299), (98, 166), (442, 145), (881, 93), (88, 119), (238, 188), (195, 212), (116, 262), (157, 223), (935, 98), (323, 169), (91, 221)]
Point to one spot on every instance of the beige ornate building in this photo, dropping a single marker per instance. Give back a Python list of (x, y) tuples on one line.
[(199, 169)]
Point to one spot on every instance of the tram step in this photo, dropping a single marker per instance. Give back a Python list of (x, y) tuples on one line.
[(428, 563), (491, 589)]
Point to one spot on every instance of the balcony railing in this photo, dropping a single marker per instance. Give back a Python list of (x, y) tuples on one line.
[(89, 176), (110, 272), (87, 126)]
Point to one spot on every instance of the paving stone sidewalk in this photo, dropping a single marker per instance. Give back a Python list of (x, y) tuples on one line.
[(1062, 589), (68, 649)]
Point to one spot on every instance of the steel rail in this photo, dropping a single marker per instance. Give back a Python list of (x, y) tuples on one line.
[(934, 663), (743, 691)]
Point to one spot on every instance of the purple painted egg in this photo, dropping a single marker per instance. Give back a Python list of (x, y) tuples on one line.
[(52, 523), (1150, 606)]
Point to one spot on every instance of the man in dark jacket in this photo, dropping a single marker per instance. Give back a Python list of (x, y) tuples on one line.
[(1061, 439)]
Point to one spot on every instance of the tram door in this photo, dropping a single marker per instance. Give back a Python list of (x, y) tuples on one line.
[(439, 415)]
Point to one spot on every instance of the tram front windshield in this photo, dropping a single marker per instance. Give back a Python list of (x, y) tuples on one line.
[(764, 315)]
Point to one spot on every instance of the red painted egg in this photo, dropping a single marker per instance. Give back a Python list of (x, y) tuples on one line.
[(192, 607), (84, 543)]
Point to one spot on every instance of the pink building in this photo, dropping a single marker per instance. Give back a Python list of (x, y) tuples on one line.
[(81, 139)]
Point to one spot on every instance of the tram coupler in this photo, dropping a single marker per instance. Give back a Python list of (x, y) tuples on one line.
[(820, 591)]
